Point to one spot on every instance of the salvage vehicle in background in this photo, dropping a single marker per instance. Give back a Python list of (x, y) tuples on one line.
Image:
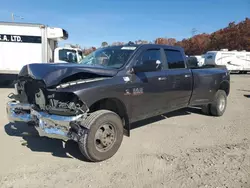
[(95, 102)]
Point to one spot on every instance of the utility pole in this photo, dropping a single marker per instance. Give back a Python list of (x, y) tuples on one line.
[(194, 31), (13, 17)]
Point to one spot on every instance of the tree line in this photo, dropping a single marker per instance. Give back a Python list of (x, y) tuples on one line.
[(233, 37)]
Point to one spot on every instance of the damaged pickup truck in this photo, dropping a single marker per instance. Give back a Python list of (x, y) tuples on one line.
[(95, 102)]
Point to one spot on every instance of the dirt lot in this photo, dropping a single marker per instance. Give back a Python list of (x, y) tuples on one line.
[(183, 149)]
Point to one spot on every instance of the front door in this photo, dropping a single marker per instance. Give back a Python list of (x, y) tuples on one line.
[(148, 88)]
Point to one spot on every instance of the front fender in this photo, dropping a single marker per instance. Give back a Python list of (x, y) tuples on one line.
[(92, 92)]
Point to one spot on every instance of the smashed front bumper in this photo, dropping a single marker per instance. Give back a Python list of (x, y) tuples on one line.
[(48, 125)]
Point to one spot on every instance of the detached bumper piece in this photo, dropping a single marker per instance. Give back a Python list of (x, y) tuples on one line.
[(48, 125)]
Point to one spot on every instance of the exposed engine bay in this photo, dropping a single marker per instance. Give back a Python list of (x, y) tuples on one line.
[(39, 85), (40, 101), (53, 114), (34, 92)]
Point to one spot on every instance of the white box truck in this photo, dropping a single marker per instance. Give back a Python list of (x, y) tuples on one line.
[(25, 43)]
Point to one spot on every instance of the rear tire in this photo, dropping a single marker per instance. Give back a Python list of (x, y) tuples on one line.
[(206, 109), (104, 137), (219, 104)]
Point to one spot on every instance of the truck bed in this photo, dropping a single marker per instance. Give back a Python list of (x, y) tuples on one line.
[(206, 81)]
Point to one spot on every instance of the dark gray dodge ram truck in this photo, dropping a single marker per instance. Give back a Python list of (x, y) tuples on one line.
[(95, 102)]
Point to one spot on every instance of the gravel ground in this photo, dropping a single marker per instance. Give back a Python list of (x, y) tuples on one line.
[(181, 149)]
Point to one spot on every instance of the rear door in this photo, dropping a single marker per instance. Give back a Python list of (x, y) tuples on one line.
[(179, 79)]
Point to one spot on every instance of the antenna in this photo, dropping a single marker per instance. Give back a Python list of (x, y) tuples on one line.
[(13, 17)]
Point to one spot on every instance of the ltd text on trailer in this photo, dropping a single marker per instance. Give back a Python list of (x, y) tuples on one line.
[(25, 43)]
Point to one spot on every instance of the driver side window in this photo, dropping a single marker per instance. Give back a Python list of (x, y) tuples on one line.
[(151, 54)]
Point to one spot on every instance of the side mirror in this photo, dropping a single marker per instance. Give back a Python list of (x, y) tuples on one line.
[(148, 66)]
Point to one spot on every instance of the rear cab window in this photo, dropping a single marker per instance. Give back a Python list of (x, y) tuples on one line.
[(192, 62), (174, 59)]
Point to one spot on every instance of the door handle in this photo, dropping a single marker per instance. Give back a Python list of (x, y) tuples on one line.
[(162, 78), (187, 75)]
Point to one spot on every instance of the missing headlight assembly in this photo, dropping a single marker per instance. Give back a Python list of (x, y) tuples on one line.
[(54, 114), (64, 103)]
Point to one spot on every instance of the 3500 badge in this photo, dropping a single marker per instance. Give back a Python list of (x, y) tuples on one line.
[(134, 91)]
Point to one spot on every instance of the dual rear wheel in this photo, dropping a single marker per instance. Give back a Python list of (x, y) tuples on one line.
[(218, 106)]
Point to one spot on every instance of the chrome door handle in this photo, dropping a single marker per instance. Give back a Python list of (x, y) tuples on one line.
[(187, 75), (162, 78)]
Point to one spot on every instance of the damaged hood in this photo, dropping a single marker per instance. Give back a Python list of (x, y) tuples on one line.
[(53, 73)]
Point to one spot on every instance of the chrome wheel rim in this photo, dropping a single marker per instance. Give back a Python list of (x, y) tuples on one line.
[(105, 137), (222, 103)]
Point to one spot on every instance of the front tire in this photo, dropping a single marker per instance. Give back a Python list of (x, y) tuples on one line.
[(219, 104), (104, 137)]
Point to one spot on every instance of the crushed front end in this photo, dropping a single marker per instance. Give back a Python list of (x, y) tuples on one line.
[(54, 114)]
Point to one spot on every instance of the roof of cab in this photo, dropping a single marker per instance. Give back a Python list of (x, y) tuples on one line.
[(149, 46)]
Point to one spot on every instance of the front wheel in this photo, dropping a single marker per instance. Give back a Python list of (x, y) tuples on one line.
[(104, 137)]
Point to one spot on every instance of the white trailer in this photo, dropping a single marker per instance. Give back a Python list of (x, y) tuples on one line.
[(235, 61), (25, 43)]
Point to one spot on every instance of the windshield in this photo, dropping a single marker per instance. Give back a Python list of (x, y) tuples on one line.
[(68, 55), (113, 57)]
